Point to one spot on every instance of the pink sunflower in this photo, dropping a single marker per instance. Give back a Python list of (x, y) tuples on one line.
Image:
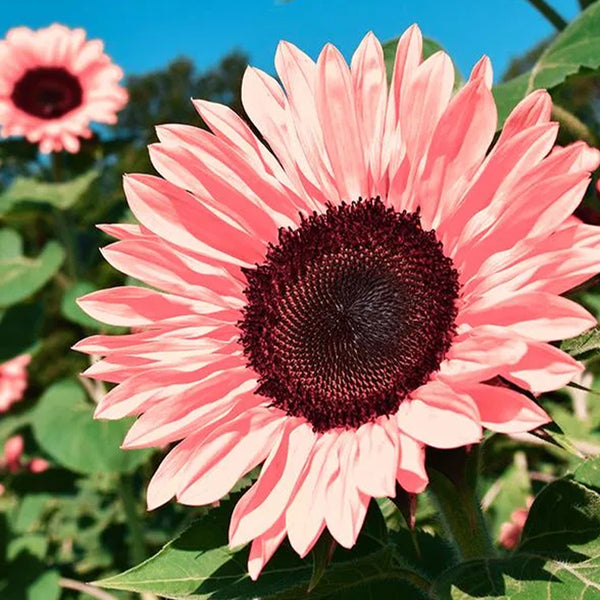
[(13, 381), (375, 281), (53, 83)]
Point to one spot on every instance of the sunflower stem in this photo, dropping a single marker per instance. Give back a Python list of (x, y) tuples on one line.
[(549, 13), (63, 227), (134, 524), (453, 485)]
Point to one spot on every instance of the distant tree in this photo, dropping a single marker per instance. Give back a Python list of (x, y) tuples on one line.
[(163, 96)]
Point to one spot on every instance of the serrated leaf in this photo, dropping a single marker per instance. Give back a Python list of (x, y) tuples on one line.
[(21, 276), (576, 47), (60, 195), (559, 555), (585, 344), (19, 328), (64, 427), (199, 565), (429, 47)]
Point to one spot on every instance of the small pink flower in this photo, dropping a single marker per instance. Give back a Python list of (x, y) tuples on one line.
[(332, 304), (511, 531), (53, 83), (13, 381), (38, 465), (13, 451)]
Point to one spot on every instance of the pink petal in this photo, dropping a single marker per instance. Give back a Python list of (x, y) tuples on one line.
[(534, 109), (226, 454), (480, 353), (133, 306), (538, 315), (177, 216), (376, 461), (346, 507), (369, 80), (264, 546), (411, 473), (305, 515), (459, 144), (543, 369), (506, 411), (223, 394), (343, 140), (440, 417), (267, 499)]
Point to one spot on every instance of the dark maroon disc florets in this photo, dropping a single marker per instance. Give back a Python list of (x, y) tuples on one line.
[(349, 313), (47, 92)]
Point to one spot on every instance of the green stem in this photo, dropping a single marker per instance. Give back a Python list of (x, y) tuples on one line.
[(551, 15), (134, 523), (460, 511), (64, 228), (575, 126)]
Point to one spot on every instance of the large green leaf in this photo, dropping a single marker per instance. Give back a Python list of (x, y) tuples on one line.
[(21, 276), (64, 427), (575, 48), (559, 555), (60, 195), (198, 565)]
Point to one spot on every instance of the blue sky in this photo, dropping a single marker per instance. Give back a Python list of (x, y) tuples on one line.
[(145, 34)]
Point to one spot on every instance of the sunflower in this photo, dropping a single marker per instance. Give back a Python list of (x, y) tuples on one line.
[(375, 281), (53, 83)]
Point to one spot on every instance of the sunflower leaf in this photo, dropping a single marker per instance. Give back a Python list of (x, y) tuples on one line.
[(588, 343), (21, 276), (60, 195), (575, 48), (559, 553), (92, 446), (199, 565)]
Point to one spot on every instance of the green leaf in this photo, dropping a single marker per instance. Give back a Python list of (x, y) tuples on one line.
[(429, 47), (21, 276), (27, 578), (19, 328), (199, 565), (70, 309), (576, 47), (588, 473), (64, 427), (559, 555), (60, 195), (588, 343)]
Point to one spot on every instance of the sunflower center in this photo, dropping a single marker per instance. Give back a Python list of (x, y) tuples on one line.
[(348, 314), (47, 92)]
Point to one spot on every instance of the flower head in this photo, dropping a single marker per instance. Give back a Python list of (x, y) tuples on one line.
[(53, 83), (13, 381), (380, 282)]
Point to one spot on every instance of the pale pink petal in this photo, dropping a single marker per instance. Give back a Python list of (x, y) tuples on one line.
[(538, 315), (506, 411), (267, 499), (336, 107), (411, 473), (263, 547), (543, 368), (440, 417)]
